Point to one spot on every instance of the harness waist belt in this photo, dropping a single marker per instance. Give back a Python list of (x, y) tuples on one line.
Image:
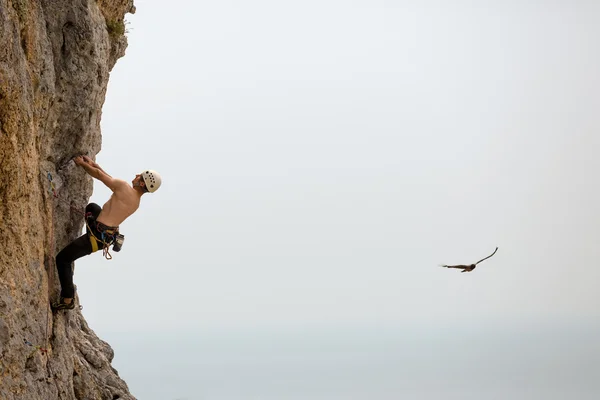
[(105, 228)]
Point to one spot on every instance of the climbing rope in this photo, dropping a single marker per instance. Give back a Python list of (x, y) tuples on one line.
[(47, 327), (50, 263)]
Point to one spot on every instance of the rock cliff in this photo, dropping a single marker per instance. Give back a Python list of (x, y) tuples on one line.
[(55, 60)]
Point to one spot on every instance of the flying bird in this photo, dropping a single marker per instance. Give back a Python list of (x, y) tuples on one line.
[(469, 268)]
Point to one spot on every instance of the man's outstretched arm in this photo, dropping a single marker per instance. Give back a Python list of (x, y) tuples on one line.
[(94, 164), (95, 171)]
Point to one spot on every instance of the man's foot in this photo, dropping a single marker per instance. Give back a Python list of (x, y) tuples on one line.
[(62, 305)]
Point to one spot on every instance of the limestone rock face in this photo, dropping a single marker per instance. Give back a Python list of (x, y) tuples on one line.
[(55, 59)]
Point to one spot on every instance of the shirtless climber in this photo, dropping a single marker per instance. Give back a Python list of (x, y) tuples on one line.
[(102, 224)]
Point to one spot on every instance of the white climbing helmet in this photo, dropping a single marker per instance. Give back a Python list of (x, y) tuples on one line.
[(152, 180)]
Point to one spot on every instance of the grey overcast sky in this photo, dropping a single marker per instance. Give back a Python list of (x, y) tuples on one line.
[(320, 159)]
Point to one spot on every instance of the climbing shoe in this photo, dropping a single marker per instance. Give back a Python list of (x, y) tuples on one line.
[(61, 305)]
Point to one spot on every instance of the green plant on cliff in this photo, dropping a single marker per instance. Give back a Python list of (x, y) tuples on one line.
[(115, 28)]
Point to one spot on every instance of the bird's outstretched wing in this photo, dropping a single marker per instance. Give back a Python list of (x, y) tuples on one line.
[(456, 266), (487, 256)]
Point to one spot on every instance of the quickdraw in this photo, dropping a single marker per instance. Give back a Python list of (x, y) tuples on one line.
[(42, 350), (52, 187)]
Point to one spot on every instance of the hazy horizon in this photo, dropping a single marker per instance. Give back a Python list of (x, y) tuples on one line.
[(528, 361)]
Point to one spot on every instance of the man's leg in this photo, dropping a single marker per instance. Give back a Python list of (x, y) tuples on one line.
[(77, 248)]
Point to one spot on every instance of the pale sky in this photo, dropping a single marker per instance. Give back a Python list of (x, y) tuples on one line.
[(321, 159)]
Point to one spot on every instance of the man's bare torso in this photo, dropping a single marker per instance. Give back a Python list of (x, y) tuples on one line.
[(122, 203)]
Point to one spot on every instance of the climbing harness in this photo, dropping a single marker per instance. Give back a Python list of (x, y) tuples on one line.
[(108, 237)]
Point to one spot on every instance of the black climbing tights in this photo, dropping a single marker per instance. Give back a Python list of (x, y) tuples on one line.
[(76, 249)]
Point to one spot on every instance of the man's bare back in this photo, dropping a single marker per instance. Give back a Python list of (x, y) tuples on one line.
[(122, 203)]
